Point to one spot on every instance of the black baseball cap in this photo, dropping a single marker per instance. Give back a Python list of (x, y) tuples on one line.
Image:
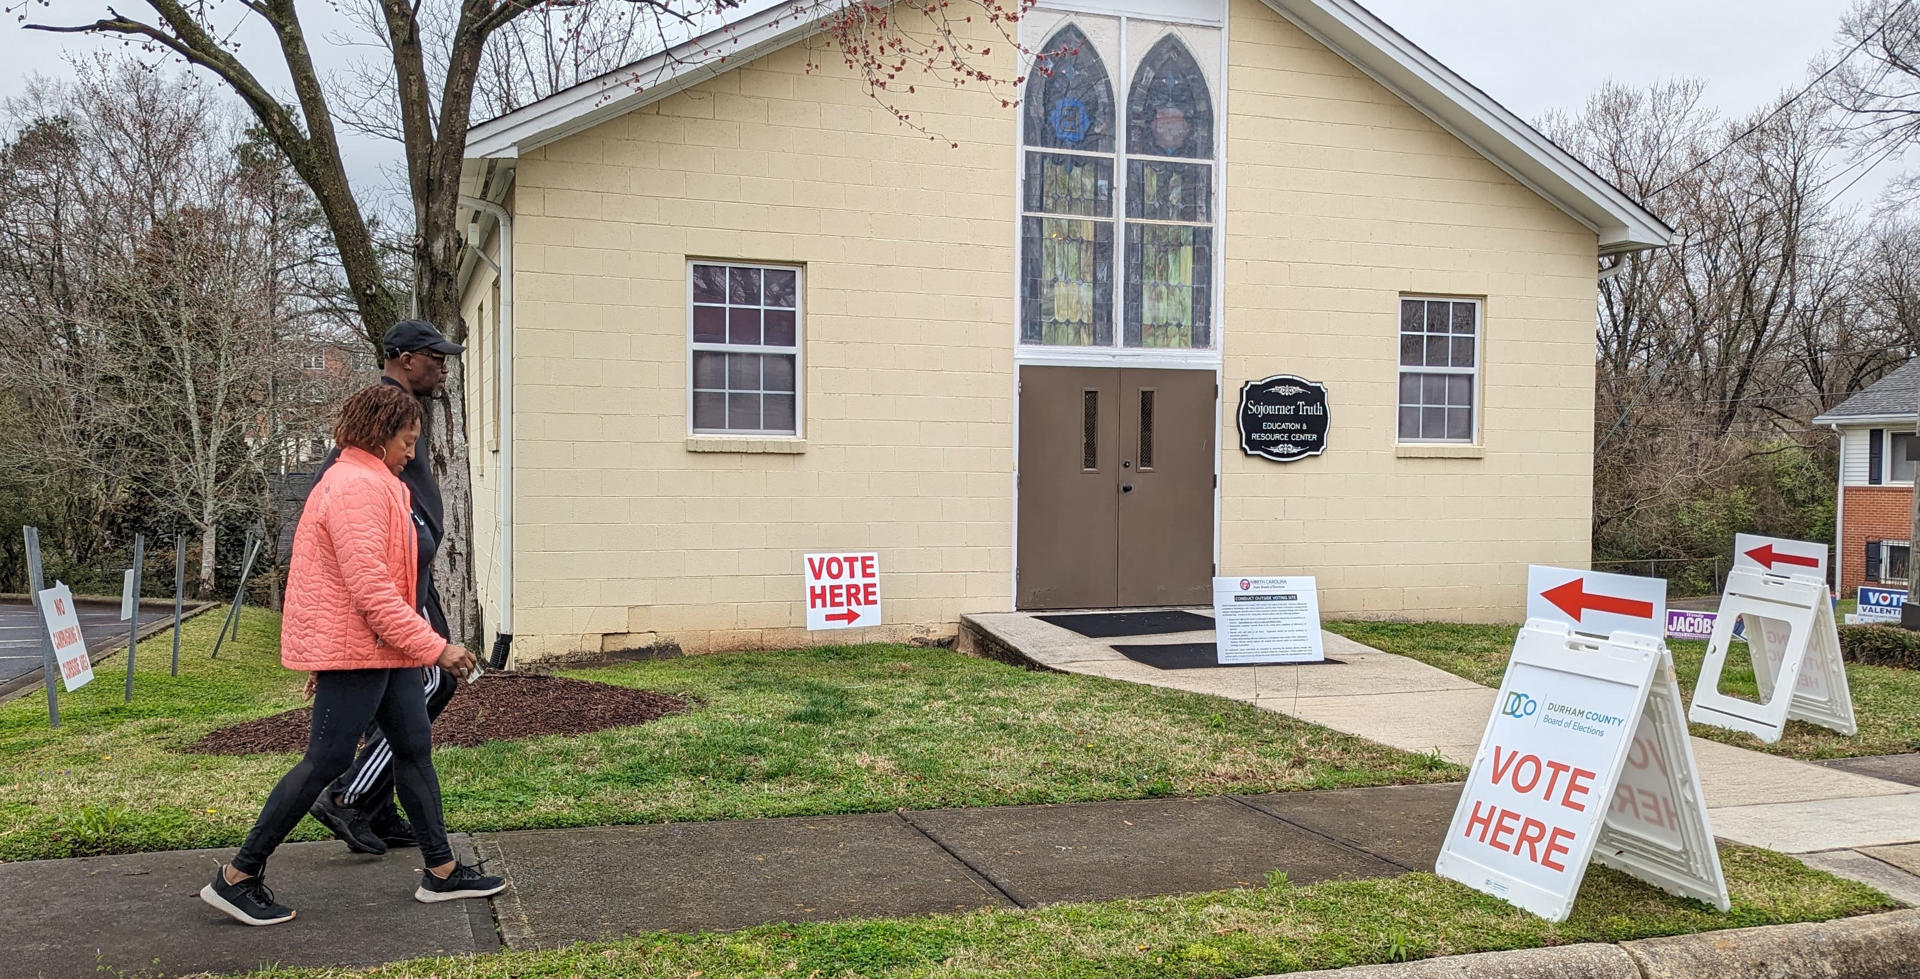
[(409, 336)]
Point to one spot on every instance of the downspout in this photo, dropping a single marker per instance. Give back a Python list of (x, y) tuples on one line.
[(503, 635), (1613, 268), (1840, 512)]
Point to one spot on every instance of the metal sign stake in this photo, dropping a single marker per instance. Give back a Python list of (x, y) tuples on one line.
[(35, 583), (179, 588), (133, 627), (233, 614)]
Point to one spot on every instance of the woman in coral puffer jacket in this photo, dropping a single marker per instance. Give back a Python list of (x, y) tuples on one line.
[(353, 620)]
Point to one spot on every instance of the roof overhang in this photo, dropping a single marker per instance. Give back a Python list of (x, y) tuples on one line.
[(648, 80), (1344, 26), (1837, 420)]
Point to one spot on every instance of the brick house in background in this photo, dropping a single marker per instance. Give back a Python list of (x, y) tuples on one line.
[(1874, 516)]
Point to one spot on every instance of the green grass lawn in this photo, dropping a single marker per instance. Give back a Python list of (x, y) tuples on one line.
[(833, 730), (1279, 928), (1886, 700)]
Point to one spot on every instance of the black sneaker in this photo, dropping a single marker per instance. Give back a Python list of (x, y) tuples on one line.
[(462, 881), (347, 824), (248, 902), (391, 827)]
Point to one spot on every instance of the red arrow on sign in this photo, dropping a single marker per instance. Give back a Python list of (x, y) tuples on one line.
[(1573, 598), (850, 616), (1766, 555)]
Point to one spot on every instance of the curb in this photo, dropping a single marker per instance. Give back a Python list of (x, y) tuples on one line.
[(1878, 946)]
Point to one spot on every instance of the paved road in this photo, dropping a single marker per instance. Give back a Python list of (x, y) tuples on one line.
[(20, 633)]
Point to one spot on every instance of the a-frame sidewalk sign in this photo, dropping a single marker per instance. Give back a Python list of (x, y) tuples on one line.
[(1792, 637), (1586, 757)]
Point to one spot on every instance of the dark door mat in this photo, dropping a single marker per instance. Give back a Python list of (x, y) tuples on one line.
[(1110, 625), (1187, 656)]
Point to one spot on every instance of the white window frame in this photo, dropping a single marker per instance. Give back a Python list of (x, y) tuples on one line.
[(798, 350), (1887, 548), (1479, 366), (1158, 13), (1887, 459)]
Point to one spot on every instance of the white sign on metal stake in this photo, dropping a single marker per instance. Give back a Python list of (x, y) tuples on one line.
[(1267, 620), (1778, 555), (1585, 758), (63, 625), (1593, 603), (127, 592), (843, 590), (1796, 658)]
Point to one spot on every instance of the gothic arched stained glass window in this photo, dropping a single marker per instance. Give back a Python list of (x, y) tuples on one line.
[(1169, 227), (1066, 275)]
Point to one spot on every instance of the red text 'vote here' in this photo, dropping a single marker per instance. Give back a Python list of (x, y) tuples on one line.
[(1522, 835)]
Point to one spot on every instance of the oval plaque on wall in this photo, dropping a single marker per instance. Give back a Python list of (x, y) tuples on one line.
[(1283, 418)]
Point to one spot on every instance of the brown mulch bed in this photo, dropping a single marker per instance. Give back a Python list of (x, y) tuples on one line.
[(496, 707)]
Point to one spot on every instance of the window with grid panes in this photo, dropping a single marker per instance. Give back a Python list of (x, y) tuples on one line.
[(1097, 176), (1439, 370), (745, 349)]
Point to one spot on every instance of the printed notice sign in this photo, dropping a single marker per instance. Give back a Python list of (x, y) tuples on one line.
[(1267, 620), (63, 625), (843, 590)]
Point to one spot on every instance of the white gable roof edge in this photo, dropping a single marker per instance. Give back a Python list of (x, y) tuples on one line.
[(1344, 26), (1470, 115), (644, 82)]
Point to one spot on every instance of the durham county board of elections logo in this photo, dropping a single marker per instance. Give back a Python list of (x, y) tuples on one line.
[(1519, 705), (1245, 584)]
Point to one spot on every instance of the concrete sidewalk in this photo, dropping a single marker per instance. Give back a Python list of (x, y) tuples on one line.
[(1838, 820), (139, 913)]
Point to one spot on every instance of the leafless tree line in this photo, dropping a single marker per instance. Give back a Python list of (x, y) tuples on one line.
[(1777, 301), (166, 287)]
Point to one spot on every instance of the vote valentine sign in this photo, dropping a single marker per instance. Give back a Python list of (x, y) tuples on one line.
[(843, 590)]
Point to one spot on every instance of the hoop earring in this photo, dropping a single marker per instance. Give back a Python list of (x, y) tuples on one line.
[(383, 453)]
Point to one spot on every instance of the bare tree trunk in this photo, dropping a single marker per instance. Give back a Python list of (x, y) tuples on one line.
[(206, 587), (454, 570)]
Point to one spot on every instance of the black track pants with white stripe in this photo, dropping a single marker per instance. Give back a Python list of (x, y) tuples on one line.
[(369, 783)]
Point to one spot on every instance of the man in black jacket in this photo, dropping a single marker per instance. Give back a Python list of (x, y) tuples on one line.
[(359, 807)]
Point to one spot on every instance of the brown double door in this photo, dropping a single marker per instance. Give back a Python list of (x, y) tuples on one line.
[(1116, 487)]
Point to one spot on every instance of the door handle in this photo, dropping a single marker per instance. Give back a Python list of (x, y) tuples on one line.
[(1126, 487)]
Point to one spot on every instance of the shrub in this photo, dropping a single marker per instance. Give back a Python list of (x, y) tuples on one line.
[(1880, 645)]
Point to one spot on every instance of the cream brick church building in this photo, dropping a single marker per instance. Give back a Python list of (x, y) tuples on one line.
[(730, 312)]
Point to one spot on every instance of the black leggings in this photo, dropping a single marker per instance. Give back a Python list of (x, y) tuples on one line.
[(344, 701)]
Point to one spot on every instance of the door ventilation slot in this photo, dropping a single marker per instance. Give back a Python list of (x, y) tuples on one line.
[(1090, 431), (1146, 430)]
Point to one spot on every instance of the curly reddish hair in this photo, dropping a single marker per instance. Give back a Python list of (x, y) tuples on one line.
[(373, 416)]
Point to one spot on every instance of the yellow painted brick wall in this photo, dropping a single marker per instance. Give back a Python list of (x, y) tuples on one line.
[(624, 535), (1341, 198)]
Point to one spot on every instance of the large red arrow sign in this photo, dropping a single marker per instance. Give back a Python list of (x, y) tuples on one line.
[(850, 616), (1573, 599), (1766, 555)]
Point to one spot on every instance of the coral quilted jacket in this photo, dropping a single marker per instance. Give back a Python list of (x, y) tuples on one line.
[(350, 587)]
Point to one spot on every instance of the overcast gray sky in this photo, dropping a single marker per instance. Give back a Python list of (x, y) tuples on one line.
[(1532, 55)]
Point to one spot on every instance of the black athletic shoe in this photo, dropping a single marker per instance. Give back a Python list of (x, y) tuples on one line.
[(248, 902), (391, 827), (462, 881), (348, 824)]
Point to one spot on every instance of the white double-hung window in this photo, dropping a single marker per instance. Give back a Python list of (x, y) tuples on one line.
[(1439, 369), (744, 363), (1119, 170)]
